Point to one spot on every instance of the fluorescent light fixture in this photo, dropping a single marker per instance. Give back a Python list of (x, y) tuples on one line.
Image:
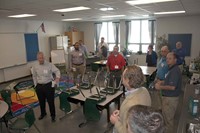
[(72, 9), (107, 9), (171, 12), (140, 2), (113, 16), (145, 15), (22, 15), (72, 19)]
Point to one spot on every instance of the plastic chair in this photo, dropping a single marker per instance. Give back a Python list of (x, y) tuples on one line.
[(90, 111), (24, 85), (86, 84), (95, 68), (23, 124), (114, 88), (64, 104)]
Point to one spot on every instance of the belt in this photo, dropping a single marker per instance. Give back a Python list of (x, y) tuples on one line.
[(116, 70), (44, 83), (168, 96), (78, 64)]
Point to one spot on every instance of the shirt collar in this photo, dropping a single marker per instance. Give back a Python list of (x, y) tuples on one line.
[(131, 91)]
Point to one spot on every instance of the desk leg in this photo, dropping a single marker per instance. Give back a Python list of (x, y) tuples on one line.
[(108, 113), (118, 102)]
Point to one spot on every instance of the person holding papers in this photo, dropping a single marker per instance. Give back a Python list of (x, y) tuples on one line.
[(77, 63)]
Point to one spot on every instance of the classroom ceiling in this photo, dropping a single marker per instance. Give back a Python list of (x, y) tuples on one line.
[(43, 9)]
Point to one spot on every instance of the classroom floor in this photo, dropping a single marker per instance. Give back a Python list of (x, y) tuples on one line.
[(70, 124)]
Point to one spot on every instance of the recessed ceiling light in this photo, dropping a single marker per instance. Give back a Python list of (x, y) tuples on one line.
[(171, 12), (107, 9), (113, 16), (140, 2), (22, 15), (72, 9), (72, 19)]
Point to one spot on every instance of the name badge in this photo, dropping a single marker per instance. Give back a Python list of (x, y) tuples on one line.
[(45, 71), (166, 74), (80, 54), (116, 67), (74, 69), (162, 65)]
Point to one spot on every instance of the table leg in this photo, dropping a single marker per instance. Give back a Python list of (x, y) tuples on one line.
[(118, 102), (108, 113)]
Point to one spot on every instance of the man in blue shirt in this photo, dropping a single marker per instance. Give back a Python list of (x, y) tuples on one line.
[(171, 89), (162, 69), (180, 52)]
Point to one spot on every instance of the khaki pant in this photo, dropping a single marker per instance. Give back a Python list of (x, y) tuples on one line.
[(79, 70), (156, 99), (169, 105)]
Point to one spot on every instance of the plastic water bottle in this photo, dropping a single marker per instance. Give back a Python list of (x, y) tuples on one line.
[(195, 107)]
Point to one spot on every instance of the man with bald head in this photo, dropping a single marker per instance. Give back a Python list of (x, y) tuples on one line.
[(162, 69), (180, 52), (45, 84), (171, 89)]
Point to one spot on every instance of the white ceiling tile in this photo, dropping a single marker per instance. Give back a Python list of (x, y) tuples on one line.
[(43, 8)]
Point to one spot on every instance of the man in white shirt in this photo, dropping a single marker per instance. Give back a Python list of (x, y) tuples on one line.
[(102, 49), (45, 84)]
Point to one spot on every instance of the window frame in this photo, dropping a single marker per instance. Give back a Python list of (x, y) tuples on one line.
[(106, 38), (152, 38)]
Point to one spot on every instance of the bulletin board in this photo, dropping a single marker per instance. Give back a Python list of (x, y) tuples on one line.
[(186, 40)]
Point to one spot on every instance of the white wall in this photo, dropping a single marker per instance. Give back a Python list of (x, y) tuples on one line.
[(176, 25), (28, 26), (189, 24), (168, 25), (88, 29)]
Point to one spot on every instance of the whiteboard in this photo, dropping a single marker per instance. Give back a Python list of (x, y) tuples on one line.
[(12, 50), (58, 56)]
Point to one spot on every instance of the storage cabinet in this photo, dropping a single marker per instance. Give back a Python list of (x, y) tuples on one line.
[(74, 37), (58, 42)]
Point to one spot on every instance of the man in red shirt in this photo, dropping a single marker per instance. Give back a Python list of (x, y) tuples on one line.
[(115, 65)]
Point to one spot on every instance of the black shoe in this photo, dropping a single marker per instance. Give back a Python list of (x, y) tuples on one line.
[(53, 119), (41, 117)]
